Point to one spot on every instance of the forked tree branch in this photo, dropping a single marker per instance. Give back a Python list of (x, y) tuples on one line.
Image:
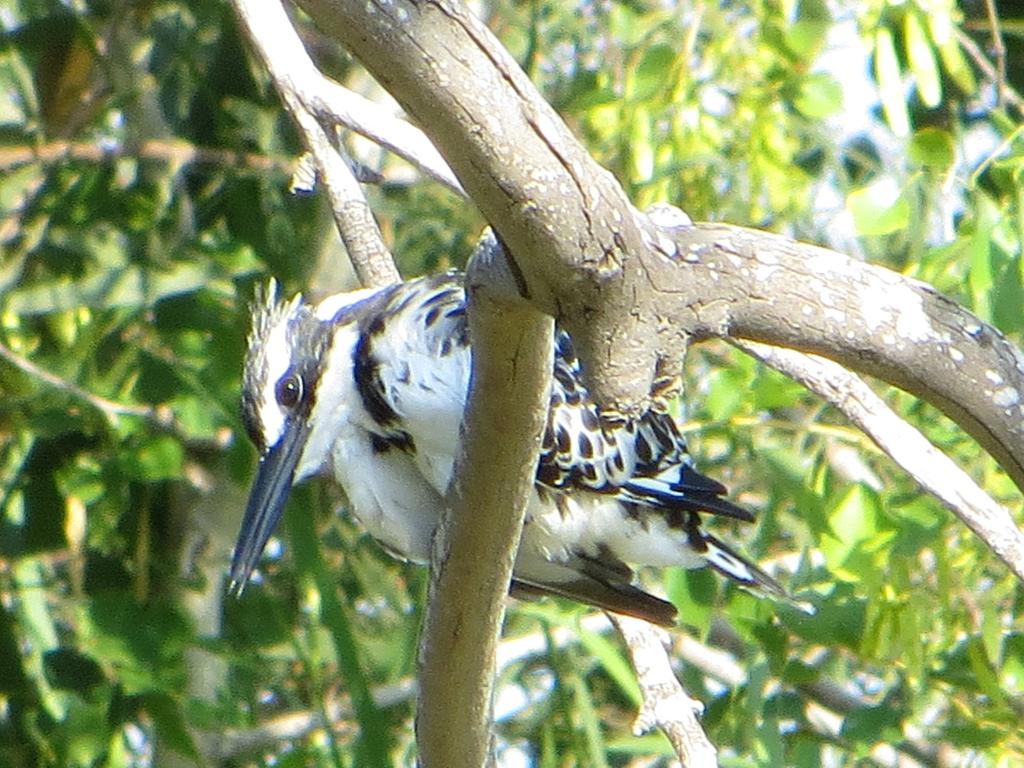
[(631, 291)]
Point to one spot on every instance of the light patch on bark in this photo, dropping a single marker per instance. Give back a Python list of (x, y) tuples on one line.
[(1006, 397), (835, 315), (901, 307), (765, 272)]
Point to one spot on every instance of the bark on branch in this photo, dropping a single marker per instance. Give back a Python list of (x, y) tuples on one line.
[(475, 545)]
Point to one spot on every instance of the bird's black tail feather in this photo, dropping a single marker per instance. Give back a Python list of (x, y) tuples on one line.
[(730, 563)]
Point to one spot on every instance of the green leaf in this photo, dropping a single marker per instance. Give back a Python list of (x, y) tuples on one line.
[(873, 725), (798, 673), (890, 83), (640, 147), (18, 98), (654, 72), (84, 732), (973, 736), (374, 739), (932, 148), (957, 66), (129, 287), (694, 593), (170, 725), (68, 669), (159, 458), (853, 522), (840, 620), (613, 662), (992, 634), (650, 745), (140, 646), (981, 277), (922, 60), (876, 210), (38, 633), (627, 25), (807, 37), (1008, 296), (771, 390), (196, 418), (819, 96), (984, 673)]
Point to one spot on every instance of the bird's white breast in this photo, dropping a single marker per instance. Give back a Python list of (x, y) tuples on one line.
[(395, 495)]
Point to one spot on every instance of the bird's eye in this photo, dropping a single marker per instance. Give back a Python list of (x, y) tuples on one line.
[(289, 391)]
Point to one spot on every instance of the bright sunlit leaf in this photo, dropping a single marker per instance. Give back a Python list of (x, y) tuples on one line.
[(922, 60), (890, 82), (879, 208)]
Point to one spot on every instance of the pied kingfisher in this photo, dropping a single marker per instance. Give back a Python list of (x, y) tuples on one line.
[(369, 387)]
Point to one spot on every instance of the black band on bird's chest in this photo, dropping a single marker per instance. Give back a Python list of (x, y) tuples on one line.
[(401, 441), (366, 371)]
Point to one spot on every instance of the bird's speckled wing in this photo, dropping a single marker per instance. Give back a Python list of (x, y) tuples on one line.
[(641, 460)]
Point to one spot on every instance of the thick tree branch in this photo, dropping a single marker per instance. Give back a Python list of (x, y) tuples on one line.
[(475, 544), (742, 283)]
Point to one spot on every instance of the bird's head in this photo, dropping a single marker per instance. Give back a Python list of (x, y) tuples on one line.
[(283, 366), (290, 416)]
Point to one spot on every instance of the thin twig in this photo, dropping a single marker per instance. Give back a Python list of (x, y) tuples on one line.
[(936, 472), (281, 51), (335, 715), (665, 704), (998, 48), (1006, 93), (332, 102), (160, 416), (169, 150), (111, 410)]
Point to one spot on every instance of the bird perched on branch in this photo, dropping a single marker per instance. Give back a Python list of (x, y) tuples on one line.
[(369, 388)]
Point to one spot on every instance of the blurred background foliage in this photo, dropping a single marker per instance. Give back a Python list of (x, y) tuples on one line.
[(144, 169)]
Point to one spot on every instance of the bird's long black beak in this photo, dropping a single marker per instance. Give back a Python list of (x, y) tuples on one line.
[(267, 501)]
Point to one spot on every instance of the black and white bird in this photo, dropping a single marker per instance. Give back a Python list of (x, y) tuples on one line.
[(369, 388)]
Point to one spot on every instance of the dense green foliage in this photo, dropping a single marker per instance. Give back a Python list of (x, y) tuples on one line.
[(128, 260)]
